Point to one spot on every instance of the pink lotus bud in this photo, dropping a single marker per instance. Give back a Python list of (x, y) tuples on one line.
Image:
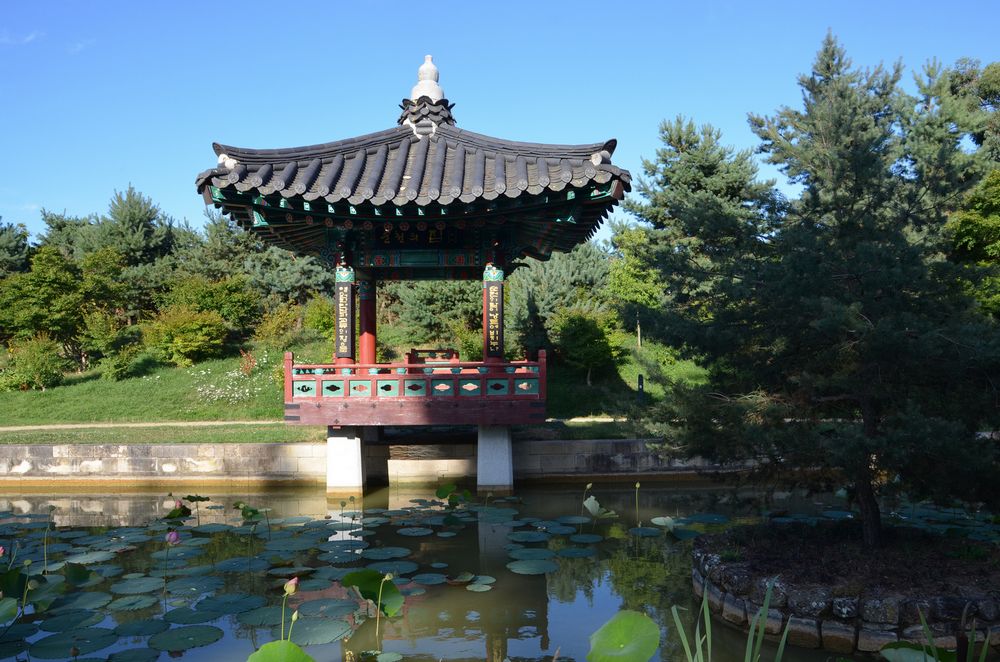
[(173, 538), (291, 586), (2, 550), (178, 504)]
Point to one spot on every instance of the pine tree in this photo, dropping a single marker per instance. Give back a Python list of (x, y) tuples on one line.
[(13, 248), (837, 335)]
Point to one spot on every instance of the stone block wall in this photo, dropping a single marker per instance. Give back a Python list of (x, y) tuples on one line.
[(861, 622)]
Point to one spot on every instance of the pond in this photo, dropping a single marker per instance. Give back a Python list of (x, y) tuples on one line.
[(519, 578)]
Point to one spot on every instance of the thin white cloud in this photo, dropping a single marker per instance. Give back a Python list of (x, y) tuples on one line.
[(80, 46), (7, 39), (30, 206)]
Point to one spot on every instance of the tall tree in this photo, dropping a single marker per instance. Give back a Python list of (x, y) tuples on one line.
[(13, 248), (837, 335)]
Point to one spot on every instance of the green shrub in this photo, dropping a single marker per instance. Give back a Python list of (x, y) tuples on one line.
[(35, 363), (319, 316), (130, 361), (182, 335), (233, 298), (279, 328)]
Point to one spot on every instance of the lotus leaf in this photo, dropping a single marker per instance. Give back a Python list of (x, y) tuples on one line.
[(84, 640), (194, 585), (586, 538), (230, 603), (628, 637), (484, 579), (532, 567), (314, 584), (132, 603), (328, 607), (81, 600), (289, 545), (339, 557), (573, 519), (429, 578), (264, 615), (332, 574), (141, 628), (211, 528), (371, 586), (437, 565), (478, 588), (531, 553), (707, 518), (137, 585), (135, 655), (561, 530), (413, 590), (385, 553), (577, 552), (86, 558), (280, 651), (242, 564), (184, 638), (316, 631), (415, 531), (69, 620), (293, 571), (446, 534), (528, 536), (388, 657), (395, 567)]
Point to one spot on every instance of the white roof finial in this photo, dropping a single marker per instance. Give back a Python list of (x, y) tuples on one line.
[(427, 85)]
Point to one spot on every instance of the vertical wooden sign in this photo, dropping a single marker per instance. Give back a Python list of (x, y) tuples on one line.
[(492, 313), (343, 296)]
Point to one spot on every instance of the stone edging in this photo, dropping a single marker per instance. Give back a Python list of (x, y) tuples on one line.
[(837, 623)]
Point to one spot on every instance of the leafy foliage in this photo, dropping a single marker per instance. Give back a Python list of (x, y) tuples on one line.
[(182, 335), (35, 363)]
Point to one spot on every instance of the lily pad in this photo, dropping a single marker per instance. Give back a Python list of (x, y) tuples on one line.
[(484, 579), (69, 620), (586, 538), (573, 519), (141, 628), (188, 616), (62, 645), (528, 536), (264, 615), (531, 554), (137, 585), (185, 638), (388, 657), (242, 564), (135, 655), (86, 558), (561, 530), (707, 518), (283, 651), (478, 588), (446, 534), (532, 567), (81, 600), (332, 574), (315, 631), (231, 603), (438, 565), (385, 553), (211, 528), (132, 603), (628, 637), (338, 557), (838, 514), (328, 607), (314, 584), (289, 545), (429, 578), (577, 552), (291, 571), (194, 585)]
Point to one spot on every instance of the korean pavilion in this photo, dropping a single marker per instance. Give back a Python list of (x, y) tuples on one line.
[(421, 200)]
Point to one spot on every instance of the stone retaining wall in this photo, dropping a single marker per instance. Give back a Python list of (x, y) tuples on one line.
[(305, 463), (844, 623)]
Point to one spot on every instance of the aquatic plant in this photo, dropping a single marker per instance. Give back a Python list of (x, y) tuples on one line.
[(630, 636), (196, 499)]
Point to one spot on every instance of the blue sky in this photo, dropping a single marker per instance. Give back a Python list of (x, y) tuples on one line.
[(95, 96)]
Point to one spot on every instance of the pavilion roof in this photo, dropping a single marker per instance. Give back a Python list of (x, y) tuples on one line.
[(528, 198)]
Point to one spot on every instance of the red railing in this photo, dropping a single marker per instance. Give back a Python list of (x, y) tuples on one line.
[(520, 380)]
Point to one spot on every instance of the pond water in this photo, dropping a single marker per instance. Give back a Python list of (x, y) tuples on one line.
[(225, 577)]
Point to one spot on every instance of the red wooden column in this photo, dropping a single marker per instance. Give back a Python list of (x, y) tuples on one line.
[(343, 301), (492, 314), (366, 305)]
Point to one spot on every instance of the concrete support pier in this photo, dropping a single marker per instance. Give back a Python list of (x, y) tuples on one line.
[(351, 464), (494, 460)]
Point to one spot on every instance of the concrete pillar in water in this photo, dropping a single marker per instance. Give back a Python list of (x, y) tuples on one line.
[(345, 466), (494, 460)]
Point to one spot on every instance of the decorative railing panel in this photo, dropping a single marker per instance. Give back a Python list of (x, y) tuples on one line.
[(466, 392)]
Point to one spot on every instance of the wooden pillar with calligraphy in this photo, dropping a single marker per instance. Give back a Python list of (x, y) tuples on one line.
[(343, 299), (366, 319), (492, 314)]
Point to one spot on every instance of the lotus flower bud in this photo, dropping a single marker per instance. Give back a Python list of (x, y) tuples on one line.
[(295, 615), (173, 538), (291, 586)]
